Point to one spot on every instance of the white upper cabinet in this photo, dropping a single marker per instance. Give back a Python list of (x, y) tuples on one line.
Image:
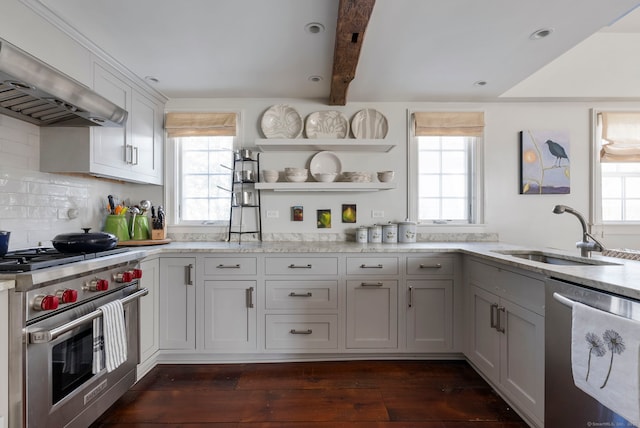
[(132, 153)]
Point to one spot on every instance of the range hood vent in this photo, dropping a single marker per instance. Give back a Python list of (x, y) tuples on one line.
[(33, 91)]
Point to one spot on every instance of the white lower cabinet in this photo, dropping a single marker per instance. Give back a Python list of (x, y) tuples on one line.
[(429, 315), (301, 332), (230, 315), (372, 314), (149, 305), (506, 339), (177, 303)]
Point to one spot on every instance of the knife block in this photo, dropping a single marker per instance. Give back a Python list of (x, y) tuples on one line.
[(157, 234)]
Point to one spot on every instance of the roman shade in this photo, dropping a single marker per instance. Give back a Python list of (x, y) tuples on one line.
[(621, 133), (461, 124), (198, 124)]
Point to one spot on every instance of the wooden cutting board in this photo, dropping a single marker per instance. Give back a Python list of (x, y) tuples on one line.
[(143, 242)]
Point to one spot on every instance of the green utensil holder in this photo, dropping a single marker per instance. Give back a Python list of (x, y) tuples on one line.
[(117, 225)]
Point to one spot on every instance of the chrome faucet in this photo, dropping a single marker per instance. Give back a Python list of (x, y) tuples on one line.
[(586, 247)]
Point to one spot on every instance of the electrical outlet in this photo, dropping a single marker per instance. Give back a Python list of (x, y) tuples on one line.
[(377, 214), (273, 214)]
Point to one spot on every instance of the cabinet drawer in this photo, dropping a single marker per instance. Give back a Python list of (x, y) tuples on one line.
[(301, 295), (430, 265), (301, 266), (372, 266), (301, 331), (230, 266)]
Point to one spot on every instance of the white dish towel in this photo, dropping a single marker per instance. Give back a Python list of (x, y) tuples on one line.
[(605, 355), (109, 338)]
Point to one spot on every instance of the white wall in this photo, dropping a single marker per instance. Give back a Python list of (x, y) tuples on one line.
[(522, 219)]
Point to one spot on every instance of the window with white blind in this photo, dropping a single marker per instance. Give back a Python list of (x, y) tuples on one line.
[(203, 145), (617, 167), (444, 157)]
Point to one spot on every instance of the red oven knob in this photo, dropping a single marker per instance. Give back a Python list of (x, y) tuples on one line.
[(124, 276), (137, 273), (67, 295), (45, 303), (97, 285)]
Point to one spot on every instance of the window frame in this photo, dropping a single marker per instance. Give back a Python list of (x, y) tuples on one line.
[(476, 189), (173, 183), (600, 227)]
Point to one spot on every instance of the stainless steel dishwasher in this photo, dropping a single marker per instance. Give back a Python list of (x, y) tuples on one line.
[(565, 404)]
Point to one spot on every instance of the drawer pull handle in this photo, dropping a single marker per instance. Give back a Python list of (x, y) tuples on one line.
[(499, 327), (299, 266), (228, 266), (436, 266), (371, 284), (370, 267), (294, 331), (189, 274), (410, 296), (294, 294)]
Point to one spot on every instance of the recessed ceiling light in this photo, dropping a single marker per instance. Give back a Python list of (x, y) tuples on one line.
[(314, 28), (151, 79), (480, 83), (315, 78), (541, 33)]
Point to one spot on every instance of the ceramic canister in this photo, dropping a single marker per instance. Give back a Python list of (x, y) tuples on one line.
[(375, 233), (390, 233), (362, 235), (407, 231)]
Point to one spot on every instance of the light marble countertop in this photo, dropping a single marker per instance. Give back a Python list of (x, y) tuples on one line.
[(622, 278)]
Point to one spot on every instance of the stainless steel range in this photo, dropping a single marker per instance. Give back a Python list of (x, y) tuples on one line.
[(52, 382)]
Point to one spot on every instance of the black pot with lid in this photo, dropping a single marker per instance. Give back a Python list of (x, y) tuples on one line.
[(87, 242)]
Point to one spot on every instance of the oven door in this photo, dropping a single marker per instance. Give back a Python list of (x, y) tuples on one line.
[(61, 389)]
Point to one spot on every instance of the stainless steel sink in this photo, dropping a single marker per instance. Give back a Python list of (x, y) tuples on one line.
[(555, 259)]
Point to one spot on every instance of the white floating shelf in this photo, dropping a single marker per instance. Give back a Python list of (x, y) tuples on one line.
[(314, 186), (310, 144)]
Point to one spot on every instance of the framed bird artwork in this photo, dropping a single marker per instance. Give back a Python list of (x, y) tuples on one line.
[(544, 162)]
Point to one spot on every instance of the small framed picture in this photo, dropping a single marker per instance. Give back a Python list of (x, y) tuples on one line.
[(348, 213), (324, 219), (297, 213)]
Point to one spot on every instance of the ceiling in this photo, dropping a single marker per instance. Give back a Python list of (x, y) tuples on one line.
[(413, 50)]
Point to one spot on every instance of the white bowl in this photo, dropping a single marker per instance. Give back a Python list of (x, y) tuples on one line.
[(325, 177), (296, 178), (385, 176), (295, 171), (270, 175)]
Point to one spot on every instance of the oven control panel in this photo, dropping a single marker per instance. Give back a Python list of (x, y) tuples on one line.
[(55, 297)]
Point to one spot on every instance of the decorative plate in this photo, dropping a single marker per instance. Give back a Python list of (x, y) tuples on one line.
[(281, 121), (369, 123), (326, 124), (325, 162)]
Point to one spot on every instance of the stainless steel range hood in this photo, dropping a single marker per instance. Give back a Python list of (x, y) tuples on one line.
[(35, 92)]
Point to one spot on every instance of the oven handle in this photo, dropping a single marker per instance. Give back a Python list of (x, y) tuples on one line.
[(44, 336)]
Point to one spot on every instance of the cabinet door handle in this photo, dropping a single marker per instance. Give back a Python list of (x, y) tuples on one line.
[(370, 267), (410, 296), (294, 294), (292, 266), (500, 327), (493, 310), (134, 149), (228, 266), (189, 274), (436, 266), (250, 297), (294, 331), (371, 284), (128, 154)]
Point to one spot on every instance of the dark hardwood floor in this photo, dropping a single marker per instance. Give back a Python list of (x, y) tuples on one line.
[(361, 394)]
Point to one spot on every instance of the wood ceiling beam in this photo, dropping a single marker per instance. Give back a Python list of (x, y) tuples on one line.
[(353, 18)]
